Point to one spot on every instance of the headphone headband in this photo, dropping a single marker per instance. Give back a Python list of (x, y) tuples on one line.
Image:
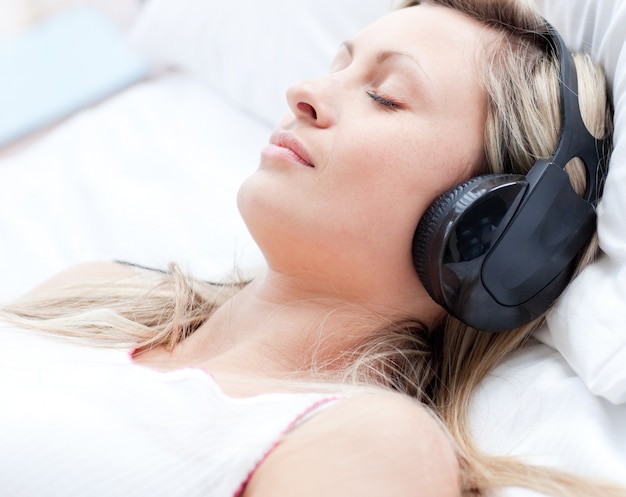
[(575, 140)]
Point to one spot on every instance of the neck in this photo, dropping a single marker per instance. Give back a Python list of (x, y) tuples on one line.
[(278, 326)]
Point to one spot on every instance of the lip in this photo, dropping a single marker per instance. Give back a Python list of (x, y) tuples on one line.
[(292, 147)]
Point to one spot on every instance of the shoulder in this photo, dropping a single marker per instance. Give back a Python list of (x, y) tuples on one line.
[(373, 445)]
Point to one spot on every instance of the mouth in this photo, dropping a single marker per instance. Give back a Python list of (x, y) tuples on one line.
[(291, 146)]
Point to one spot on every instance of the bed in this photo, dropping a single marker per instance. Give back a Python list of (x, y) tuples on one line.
[(149, 175)]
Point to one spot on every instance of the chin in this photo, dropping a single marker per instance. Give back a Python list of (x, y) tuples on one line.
[(262, 215), (245, 203)]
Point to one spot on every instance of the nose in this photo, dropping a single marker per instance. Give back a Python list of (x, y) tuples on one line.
[(312, 101)]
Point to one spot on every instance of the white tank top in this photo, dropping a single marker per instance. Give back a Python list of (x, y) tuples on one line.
[(82, 421)]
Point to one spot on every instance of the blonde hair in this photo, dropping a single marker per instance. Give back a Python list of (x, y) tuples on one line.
[(440, 367)]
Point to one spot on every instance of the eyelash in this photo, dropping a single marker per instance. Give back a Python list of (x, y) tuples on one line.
[(382, 101)]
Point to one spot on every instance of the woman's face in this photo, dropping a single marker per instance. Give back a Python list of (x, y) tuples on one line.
[(365, 149)]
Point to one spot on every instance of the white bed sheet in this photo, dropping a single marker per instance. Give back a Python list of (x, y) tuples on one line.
[(148, 176)]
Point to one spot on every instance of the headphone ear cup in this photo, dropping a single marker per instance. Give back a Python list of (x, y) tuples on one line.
[(460, 226), (428, 234)]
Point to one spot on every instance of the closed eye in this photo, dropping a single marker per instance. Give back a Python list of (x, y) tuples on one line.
[(383, 101)]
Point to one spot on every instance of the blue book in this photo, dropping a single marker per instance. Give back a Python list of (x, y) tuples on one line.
[(60, 66)]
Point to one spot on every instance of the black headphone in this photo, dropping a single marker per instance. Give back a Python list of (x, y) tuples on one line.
[(497, 250)]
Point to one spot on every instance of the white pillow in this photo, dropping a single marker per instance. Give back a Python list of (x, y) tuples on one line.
[(588, 323), (251, 50)]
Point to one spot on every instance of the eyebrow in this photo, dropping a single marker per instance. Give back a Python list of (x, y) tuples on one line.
[(384, 55)]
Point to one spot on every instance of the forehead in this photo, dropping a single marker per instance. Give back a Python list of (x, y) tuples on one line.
[(447, 43)]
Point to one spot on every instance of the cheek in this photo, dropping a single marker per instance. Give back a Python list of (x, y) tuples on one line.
[(395, 179), (381, 198), (395, 188)]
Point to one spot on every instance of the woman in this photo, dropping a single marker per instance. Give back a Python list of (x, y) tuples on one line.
[(426, 98)]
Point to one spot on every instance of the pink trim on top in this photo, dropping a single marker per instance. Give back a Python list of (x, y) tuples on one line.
[(308, 411)]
